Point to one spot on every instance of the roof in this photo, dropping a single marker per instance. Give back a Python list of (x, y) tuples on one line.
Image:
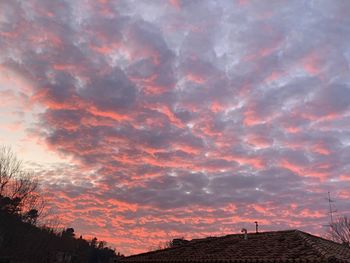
[(279, 246)]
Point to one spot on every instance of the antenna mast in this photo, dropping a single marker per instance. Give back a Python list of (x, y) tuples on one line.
[(331, 211)]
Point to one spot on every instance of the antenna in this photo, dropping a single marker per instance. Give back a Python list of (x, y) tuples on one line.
[(330, 225), (331, 210)]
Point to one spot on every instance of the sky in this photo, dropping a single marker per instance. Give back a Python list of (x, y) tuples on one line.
[(148, 120)]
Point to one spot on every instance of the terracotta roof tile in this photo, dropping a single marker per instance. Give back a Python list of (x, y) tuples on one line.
[(280, 246)]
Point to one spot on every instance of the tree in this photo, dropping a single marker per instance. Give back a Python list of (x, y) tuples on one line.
[(93, 242), (9, 205), (69, 233), (340, 230), (17, 185), (10, 168), (31, 216)]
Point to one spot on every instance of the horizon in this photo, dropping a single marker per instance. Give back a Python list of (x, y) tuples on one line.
[(149, 120)]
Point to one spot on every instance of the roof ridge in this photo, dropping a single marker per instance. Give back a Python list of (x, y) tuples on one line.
[(307, 238), (272, 246), (195, 240)]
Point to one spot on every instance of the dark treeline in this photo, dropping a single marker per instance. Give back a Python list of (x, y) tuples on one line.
[(22, 239)]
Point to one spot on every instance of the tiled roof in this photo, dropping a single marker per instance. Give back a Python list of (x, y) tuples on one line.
[(279, 246)]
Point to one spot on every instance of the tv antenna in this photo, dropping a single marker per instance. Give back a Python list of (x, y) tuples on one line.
[(331, 209)]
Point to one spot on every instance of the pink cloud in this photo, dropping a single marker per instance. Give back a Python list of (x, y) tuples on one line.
[(176, 4)]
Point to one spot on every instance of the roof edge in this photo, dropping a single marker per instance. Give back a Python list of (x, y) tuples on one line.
[(329, 256), (201, 239), (306, 238)]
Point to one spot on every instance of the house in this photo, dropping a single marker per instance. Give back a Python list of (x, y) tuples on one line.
[(266, 247)]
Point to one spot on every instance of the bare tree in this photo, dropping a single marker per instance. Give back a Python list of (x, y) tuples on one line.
[(10, 167), (339, 231), (17, 184)]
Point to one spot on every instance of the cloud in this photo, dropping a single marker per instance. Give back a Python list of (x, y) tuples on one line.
[(184, 117)]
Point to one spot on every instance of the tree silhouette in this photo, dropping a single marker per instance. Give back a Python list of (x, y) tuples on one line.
[(17, 185), (340, 230), (68, 233), (31, 216), (22, 239)]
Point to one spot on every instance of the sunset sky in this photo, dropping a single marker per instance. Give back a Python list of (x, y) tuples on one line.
[(148, 120)]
